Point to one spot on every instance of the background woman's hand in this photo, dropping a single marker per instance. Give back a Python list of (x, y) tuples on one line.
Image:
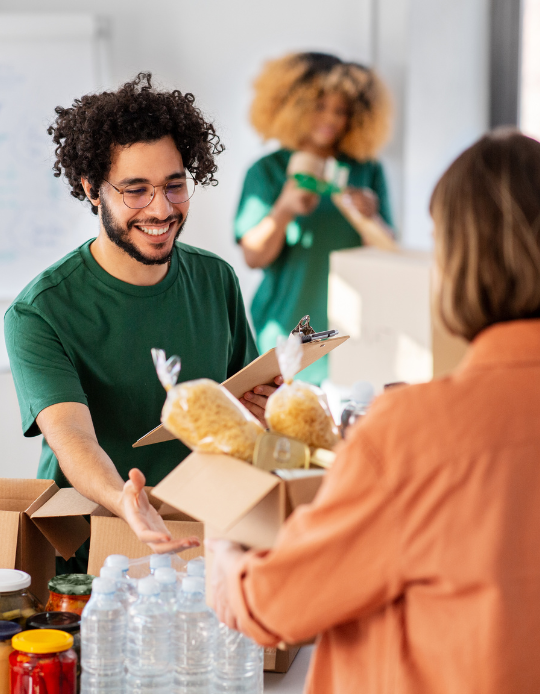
[(365, 200), (294, 201)]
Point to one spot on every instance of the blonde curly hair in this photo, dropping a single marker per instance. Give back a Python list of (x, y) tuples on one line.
[(286, 94)]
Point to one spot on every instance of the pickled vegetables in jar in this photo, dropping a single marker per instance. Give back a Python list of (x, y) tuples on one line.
[(43, 662), (17, 603), (69, 593)]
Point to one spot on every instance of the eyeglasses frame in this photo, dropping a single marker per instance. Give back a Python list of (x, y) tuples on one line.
[(161, 185)]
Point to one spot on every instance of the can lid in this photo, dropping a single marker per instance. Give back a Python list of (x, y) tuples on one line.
[(8, 630), (160, 560), (64, 621), (71, 584), (193, 584), (13, 579), (42, 641), (118, 560)]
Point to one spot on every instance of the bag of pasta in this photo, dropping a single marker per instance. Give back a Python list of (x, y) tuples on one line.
[(204, 415), (299, 409)]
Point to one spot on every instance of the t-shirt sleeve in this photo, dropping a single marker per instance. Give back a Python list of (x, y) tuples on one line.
[(244, 349), (42, 371), (380, 187), (256, 201)]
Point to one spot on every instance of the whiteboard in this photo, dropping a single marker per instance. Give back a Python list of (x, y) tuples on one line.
[(46, 60)]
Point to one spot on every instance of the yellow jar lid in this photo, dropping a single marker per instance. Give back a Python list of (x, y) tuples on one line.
[(42, 641)]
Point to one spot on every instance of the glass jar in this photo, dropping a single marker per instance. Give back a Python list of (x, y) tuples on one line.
[(63, 621), (16, 602), (43, 661), (69, 593), (7, 632)]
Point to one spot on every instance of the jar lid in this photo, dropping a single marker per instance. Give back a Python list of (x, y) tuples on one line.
[(71, 584), (8, 630), (42, 641), (12, 579), (64, 621)]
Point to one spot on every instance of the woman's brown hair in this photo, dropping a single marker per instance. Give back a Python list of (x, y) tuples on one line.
[(486, 213), (286, 94)]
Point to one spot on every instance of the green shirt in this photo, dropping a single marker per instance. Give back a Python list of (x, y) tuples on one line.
[(77, 334), (296, 283)]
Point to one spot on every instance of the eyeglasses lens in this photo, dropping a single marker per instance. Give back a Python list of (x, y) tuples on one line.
[(176, 192)]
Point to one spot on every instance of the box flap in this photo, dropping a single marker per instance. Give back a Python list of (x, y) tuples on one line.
[(216, 489), (33, 492), (9, 532), (66, 502), (260, 371)]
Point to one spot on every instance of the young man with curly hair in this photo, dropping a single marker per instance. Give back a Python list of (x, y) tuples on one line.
[(79, 336)]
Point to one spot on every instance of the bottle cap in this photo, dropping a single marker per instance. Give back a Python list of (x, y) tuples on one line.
[(165, 575), (117, 560), (196, 567), (160, 560), (113, 573), (103, 586), (193, 584), (148, 586), (8, 630), (42, 641), (64, 621), (71, 584), (12, 579)]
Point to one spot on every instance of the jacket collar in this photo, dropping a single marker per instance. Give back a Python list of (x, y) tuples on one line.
[(512, 342)]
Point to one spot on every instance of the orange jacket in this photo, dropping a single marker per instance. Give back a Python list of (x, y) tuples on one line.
[(418, 563)]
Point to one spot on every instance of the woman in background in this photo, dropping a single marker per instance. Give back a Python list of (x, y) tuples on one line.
[(417, 564), (317, 104)]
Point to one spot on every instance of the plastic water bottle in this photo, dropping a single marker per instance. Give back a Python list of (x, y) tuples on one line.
[(238, 664), (103, 634), (126, 589), (166, 577), (119, 560), (196, 567), (158, 561), (195, 628), (148, 661)]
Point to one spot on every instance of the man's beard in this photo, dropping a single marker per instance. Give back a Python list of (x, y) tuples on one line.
[(120, 236)]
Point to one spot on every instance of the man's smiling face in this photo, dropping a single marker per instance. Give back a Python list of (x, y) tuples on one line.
[(146, 234)]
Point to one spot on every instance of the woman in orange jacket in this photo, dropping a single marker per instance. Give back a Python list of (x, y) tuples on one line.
[(417, 566)]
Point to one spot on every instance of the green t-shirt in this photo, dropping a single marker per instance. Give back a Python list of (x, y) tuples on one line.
[(296, 283), (77, 334)]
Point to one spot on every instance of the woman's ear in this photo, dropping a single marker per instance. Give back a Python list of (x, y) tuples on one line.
[(87, 188)]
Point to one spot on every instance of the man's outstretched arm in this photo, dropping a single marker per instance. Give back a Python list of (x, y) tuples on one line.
[(69, 431)]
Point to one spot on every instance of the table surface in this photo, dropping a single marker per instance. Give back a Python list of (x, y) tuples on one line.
[(291, 682)]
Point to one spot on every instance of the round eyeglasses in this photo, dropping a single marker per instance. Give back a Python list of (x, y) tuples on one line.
[(139, 195)]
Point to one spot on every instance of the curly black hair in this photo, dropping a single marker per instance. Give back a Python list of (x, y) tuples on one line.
[(86, 132)]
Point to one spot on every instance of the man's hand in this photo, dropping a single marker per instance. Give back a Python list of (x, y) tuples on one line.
[(145, 521), (255, 400), (365, 200), (226, 557)]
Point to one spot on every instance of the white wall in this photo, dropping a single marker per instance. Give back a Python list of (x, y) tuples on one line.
[(433, 54)]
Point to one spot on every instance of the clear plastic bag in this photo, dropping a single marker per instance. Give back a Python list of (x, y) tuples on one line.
[(204, 415), (299, 409)]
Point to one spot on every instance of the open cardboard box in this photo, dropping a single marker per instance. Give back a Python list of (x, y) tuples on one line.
[(37, 519), (241, 503), (112, 535)]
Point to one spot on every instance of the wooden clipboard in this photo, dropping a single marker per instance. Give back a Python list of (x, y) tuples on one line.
[(261, 371)]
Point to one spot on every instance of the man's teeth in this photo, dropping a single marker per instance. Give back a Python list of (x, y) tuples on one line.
[(152, 231)]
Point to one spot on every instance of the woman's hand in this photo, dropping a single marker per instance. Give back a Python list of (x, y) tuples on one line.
[(365, 201), (145, 521), (294, 201), (255, 400), (226, 558)]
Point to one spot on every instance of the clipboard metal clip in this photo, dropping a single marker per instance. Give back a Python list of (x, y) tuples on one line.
[(307, 333)]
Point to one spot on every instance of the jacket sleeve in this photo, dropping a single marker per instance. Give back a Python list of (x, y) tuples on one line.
[(335, 559)]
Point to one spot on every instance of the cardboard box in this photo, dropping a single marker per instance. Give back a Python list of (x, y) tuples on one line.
[(37, 520), (243, 504), (383, 301), (112, 535)]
